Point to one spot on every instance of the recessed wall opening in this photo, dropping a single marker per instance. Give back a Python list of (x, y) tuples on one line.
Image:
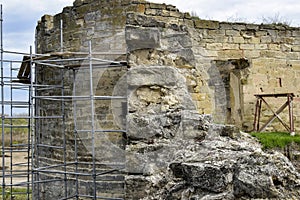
[(227, 77)]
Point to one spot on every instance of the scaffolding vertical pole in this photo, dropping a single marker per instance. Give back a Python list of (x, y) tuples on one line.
[(64, 132), (290, 104), (92, 120), (2, 103), (31, 118), (75, 135), (61, 36), (11, 131)]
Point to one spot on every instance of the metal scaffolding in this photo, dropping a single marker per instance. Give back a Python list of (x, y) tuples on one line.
[(64, 153)]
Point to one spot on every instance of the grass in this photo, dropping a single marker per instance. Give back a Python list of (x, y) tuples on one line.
[(16, 193), (19, 134), (276, 139)]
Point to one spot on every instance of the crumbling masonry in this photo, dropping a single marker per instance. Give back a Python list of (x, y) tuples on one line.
[(179, 70)]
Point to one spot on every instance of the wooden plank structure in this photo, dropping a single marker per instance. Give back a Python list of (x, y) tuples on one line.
[(261, 98)]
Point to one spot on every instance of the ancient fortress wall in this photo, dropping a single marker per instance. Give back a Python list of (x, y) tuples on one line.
[(233, 60), (176, 63)]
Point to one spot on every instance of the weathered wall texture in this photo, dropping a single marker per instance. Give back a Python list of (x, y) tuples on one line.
[(233, 60), (179, 68)]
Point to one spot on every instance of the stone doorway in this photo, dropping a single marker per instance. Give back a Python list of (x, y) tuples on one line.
[(227, 78)]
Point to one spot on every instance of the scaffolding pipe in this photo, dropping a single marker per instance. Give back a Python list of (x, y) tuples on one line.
[(61, 36), (2, 104), (75, 136), (31, 120), (93, 119), (35, 169)]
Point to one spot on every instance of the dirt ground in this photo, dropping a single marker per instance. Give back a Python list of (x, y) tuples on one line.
[(16, 173)]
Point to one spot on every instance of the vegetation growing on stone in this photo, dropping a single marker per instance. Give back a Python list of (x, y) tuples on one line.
[(276, 139)]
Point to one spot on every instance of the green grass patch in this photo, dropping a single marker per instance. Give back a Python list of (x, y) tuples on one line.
[(276, 139), (16, 194), (18, 133)]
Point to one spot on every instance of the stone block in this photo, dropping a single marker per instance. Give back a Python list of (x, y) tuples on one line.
[(251, 54), (296, 48), (230, 46), (200, 175), (238, 26), (221, 39), (247, 46), (173, 42), (254, 40), (208, 24), (293, 55), (272, 54), (214, 46), (187, 15), (261, 46), (238, 40), (140, 8), (296, 33), (230, 54), (158, 6), (233, 33), (150, 11), (176, 14), (266, 39), (142, 38), (295, 64), (194, 126), (216, 32), (225, 25)]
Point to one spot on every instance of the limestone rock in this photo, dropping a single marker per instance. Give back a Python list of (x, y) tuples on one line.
[(221, 167)]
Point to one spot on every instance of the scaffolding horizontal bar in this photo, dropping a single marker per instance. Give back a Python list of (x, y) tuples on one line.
[(16, 184), (81, 97), (19, 145), (79, 163), (8, 150), (22, 164), (102, 131), (49, 146), (35, 117), (15, 102), (50, 65), (16, 126), (48, 181), (86, 66), (64, 60), (16, 175), (12, 61), (54, 166), (75, 173)]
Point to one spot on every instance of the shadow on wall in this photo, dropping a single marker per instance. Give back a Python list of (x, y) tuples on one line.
[(227, 78)]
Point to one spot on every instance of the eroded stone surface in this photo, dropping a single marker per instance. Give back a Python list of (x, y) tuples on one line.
[(219, 167)]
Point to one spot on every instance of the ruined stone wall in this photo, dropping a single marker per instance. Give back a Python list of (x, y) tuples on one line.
[(233, 60), (102, 23), (180, 66), (225, 64), (270, 54)]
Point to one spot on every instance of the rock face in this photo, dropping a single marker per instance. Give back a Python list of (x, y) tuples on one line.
[(217, 167), (173, 152)]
